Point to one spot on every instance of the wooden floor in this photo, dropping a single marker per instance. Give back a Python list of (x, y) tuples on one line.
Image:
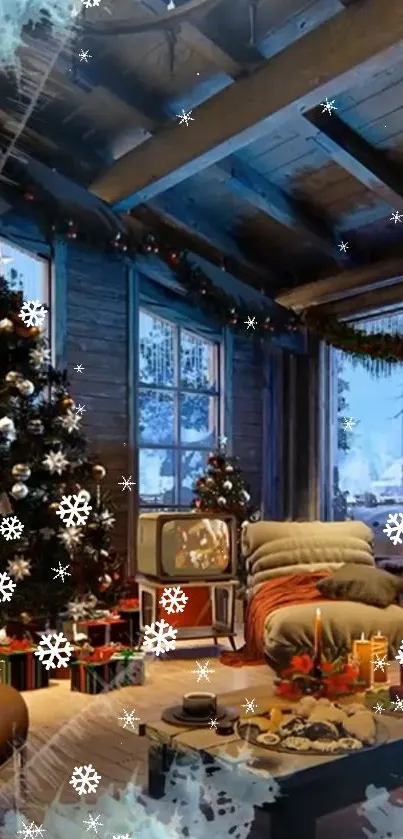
[(69, 729)]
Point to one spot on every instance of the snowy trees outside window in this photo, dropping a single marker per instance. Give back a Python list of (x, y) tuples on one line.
[(178, 410)]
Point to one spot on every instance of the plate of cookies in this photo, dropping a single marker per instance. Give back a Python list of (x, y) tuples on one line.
[(314, 727)]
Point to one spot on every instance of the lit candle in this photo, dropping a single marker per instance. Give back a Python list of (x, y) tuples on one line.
[(317, 639), (362, 651), (379, 651)]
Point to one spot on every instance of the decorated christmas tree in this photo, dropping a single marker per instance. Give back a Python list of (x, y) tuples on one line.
[(223, 490), (55, 523)]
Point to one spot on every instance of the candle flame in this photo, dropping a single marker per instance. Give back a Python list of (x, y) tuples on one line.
[(318, 613)]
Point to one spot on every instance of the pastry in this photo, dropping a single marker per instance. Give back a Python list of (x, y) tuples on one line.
[(326, 746), (350, 743), (362, 726), (297, 744), (262, 723), (327, 713), (269, 738), (321, 730), (305, 706)]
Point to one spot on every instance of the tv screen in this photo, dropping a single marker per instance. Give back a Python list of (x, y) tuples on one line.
[(195, 546)]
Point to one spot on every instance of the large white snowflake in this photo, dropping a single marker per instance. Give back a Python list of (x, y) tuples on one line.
[(55, 462), (90, 3), (74, 509), (54, 651), (394, 528), (32, 313), (31, 831), (399, 656), (11, 528), (7, 587), (173, 600), (159, 637), (85, 779)]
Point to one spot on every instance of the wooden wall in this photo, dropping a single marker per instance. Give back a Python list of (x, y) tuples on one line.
[(96, 337), (248, 411)]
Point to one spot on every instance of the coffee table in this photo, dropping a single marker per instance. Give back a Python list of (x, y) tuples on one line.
[(312, 786)]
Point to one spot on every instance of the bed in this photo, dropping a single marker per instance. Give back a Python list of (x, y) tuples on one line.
[(285, 561)]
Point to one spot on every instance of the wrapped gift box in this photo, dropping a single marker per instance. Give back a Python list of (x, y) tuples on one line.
[(20, 668), (104, 631), (107, 669)]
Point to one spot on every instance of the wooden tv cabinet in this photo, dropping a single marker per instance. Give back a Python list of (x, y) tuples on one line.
[(209, 611)]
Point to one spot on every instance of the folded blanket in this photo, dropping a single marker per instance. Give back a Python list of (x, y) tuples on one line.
[(282, 552), (255, 534), (271, 595)]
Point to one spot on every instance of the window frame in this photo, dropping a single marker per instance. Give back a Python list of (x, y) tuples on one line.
[(181, 325)]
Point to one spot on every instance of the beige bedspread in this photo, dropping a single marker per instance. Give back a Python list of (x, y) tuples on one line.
[(289, 630)]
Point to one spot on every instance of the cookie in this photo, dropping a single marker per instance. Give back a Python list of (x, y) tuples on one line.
[(269, 738)]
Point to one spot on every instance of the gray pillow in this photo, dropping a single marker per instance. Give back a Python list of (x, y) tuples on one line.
[(363, 584)]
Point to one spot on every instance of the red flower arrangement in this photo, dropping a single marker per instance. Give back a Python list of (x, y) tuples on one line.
[(338, 678)]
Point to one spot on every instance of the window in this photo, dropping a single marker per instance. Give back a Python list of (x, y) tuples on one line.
[(365, 474), (25, 271), (179, 410)]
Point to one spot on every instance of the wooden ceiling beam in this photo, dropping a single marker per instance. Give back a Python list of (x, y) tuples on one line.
[(354, 154), (182, 213), (244, 181), (327, 60), (368, 301), (185, 239), (347, 283)]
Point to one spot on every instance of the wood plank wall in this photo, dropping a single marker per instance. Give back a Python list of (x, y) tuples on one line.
[(96, 337), (248, 411)]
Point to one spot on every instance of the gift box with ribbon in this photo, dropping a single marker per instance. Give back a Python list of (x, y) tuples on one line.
[(107, 668), (20, 667), (103, 631)]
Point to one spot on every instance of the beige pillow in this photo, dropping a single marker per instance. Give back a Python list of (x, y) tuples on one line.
[(363, 584)]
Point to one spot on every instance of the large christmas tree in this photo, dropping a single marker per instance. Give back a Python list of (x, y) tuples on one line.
[(223, 490), (51, 549)]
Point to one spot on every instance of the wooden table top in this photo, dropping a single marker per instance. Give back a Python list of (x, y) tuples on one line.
[(232, 749)]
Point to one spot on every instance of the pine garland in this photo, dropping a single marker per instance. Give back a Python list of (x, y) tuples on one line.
[(378, 352)]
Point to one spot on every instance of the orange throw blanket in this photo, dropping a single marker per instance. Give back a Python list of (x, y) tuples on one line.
[(288, 590)]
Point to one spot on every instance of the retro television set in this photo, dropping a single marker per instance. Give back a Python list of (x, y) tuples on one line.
[(186, 546)]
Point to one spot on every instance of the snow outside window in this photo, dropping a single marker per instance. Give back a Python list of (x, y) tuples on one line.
[(28, 273), (367, 441), (179, 394)]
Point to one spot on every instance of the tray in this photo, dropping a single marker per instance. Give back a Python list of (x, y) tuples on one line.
[(250, 732)]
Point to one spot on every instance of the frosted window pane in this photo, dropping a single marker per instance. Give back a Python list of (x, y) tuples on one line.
[(157, 350)]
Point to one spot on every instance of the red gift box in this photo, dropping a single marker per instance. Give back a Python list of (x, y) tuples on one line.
[(101, 631), (20, 668)]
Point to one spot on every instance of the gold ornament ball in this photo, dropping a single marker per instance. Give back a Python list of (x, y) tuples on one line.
[(21, 471), (25, 617), (6, 325), (19, 491), (67, 403), (13, 377), (34, 331), (98, 472), (53, 506)]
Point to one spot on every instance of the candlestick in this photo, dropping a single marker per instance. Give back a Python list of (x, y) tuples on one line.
[(379, 651), (317, 641), (362, 651)]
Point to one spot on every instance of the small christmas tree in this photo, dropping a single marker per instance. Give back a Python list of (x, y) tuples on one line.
[(47, 554), (224, 490)]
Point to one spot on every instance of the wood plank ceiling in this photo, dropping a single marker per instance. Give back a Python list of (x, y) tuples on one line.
[(263, 179)]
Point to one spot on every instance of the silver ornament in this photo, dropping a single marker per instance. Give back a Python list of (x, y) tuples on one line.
[(19, 491), (6, 425), (227, 485), (221, 500), (26, 387), (85, 494), (21, 471)]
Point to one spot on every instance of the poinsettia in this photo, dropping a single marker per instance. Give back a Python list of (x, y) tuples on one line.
[(338, 677)]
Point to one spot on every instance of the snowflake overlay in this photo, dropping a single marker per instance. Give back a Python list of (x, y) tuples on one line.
[(93, 824), (74, 509), (394, 528), (380, 662), (378, 708), (11, 528), (398, 705), (129, 719), (54, 650), (32, 313), (159, 637), (185, 117), (251, 322), (31, 831), (7, 587), (89, 4), (203, 671), (126, 483), (173, 600), (250, 706), (399, 656), (85, 779), (61, 572)]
